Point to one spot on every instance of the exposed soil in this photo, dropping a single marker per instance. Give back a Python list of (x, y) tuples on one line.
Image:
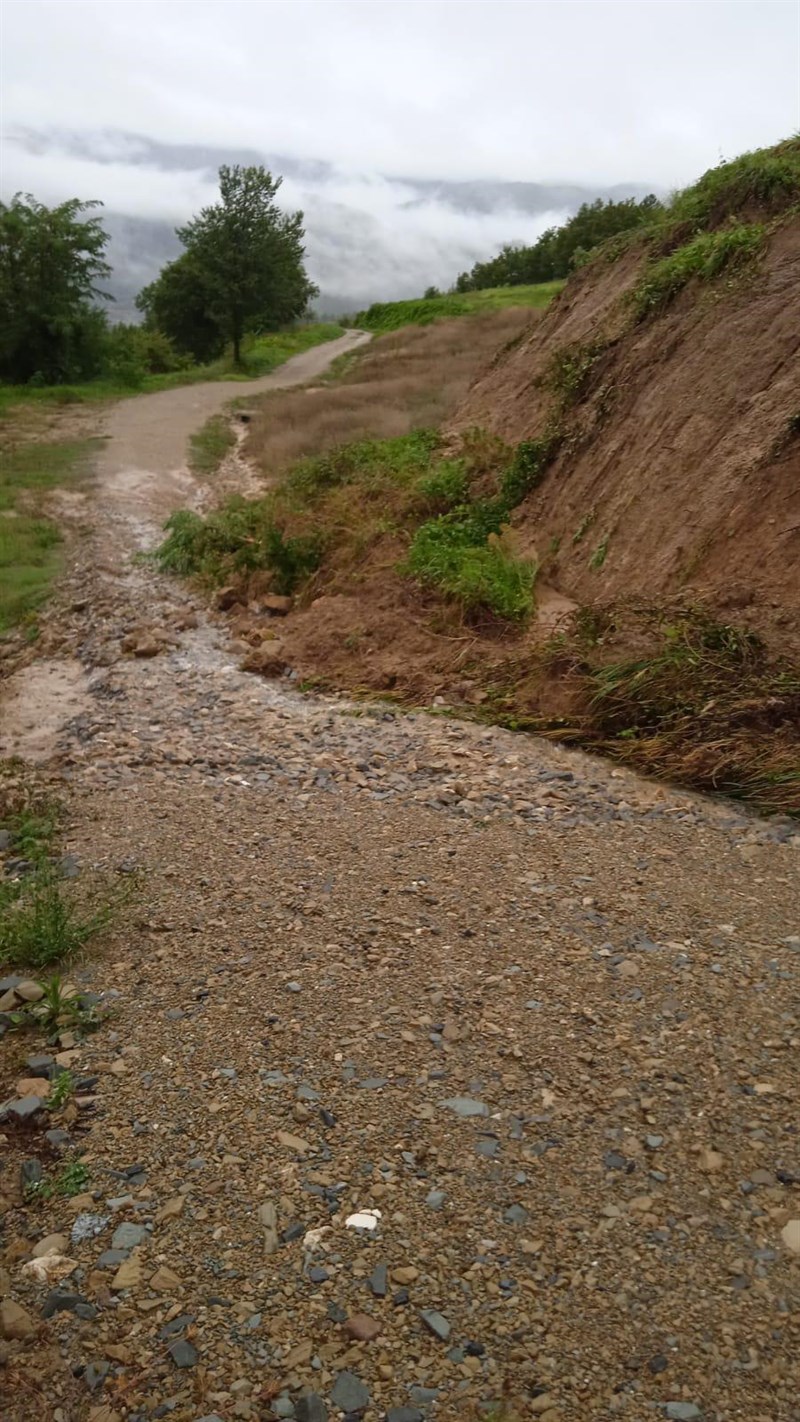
[(538, 1012), (685, 451)]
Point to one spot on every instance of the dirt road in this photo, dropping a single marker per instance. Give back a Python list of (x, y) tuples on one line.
[(541, 1015)]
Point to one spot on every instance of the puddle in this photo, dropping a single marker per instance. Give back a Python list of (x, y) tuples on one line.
[(38, 702)]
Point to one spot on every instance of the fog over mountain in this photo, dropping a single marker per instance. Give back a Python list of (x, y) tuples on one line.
[(369, 237)]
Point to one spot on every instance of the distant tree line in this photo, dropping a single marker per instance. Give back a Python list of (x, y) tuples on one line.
[(242, 272), (560, 249)]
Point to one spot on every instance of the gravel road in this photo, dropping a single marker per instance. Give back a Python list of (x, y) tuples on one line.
[(539, 1015)]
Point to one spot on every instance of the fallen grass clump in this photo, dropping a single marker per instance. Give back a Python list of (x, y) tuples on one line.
[(454, 554), (705, 257), (241, 537), (705, 705)]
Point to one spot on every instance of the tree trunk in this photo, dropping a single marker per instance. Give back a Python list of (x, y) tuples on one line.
[(237, 344)]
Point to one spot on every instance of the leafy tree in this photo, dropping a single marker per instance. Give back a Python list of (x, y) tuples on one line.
[(247, 256), (51, 259), (178, 303), (559, 249)]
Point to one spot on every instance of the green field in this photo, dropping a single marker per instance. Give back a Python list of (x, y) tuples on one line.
[(391, 315), (261, 354)]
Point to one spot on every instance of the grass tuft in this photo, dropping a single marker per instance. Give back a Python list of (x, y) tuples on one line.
[(385, 316), (42, 921), (705, 257), (210, 444)]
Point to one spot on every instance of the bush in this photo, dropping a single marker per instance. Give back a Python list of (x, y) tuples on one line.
[(767, 180), (529, 465), (705, 257), (445, 488), (239, 538)]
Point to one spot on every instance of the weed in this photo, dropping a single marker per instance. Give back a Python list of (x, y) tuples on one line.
[(72, 1179), (705, 257), (210, 444), (530, 462), (365, 462), (767, 179), (32, 829), (60, 1092), (239, 538), (569, 369), (584, 526), (445, 488), (598, 558), (41, 920)]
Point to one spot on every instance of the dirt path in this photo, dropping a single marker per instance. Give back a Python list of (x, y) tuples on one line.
[(541, 1014)]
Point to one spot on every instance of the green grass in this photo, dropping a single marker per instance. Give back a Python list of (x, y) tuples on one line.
[(239, 538), (30, 543), (766, 180), (210, 444), (261, 355), (705, 257), (392, 315), (42, 921), (480, 576)]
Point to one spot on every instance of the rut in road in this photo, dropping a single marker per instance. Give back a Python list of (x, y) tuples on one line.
[(538, 1013)]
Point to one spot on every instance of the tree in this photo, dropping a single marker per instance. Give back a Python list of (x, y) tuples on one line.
[(554, 254), (50, 262), (247, 257), (177, 303)]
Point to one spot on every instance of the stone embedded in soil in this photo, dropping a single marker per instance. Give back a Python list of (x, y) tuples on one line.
[(682, 1412), (790, 1234), (379, 1281), (128, 1235), (183, 1353), (15, 1323), (361, 1327), (310, 1408), (87, 1226), (466, 1106), (349, 1393), (63, 1301), (22, 1110), (436, 1323)]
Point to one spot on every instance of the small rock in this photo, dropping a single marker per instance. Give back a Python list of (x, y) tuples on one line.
[(790, 1234), (15, 1324), (379, 1281), (87, 1226), (29, 991), (435, 1199), (95, 1375), (128, 1236), (51, 1244), (465, 1106), (405, 1274), (436, 1323), (23, 1109), (361, 1327), (310, 1408), (710, 1161), (183, 1353), (349, 1393), (405, 1414), (682, 1411), (62, 1301)]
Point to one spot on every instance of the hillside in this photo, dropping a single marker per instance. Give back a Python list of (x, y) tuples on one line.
[(682, 457)]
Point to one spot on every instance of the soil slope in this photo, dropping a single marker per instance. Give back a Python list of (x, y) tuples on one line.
[(686, 459)]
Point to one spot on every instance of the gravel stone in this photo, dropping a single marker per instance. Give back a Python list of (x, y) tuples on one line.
[(349, 1393)]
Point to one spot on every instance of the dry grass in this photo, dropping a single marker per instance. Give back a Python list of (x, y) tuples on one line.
[(407, 380)]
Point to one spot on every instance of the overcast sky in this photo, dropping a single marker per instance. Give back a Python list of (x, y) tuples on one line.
[(609, 90)]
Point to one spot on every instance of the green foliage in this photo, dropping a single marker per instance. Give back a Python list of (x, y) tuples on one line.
[(584, 526), (247, 256), (766, 181), (41, 920), (51, 260), (209, 445), (365, 461), (461, 555), (131, 353), (598, 558), (554, 254), (71, 1179), (386, 316), (32, 830), (568, 371), (530, 462), (705, 257), (445, 488), (178, 303), (238, 538), (30, 551), (60, 1092)]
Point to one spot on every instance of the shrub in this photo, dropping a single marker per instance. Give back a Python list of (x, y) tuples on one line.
[(528, 467), (445, 488), (239, 538), (767, 179)]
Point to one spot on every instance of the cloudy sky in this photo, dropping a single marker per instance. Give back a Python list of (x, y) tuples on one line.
[(610, 91)]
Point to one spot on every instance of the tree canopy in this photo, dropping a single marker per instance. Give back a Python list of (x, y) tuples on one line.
[(51, 259), (243, 268), (554, 254)]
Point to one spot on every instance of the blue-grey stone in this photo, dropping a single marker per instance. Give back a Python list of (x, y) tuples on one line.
[(349, 1393), (128, 1236), (465, 1106), (436, 1323)]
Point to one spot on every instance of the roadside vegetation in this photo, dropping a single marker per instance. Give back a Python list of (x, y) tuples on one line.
[(48, 913), (392, 315), (31, 543)]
